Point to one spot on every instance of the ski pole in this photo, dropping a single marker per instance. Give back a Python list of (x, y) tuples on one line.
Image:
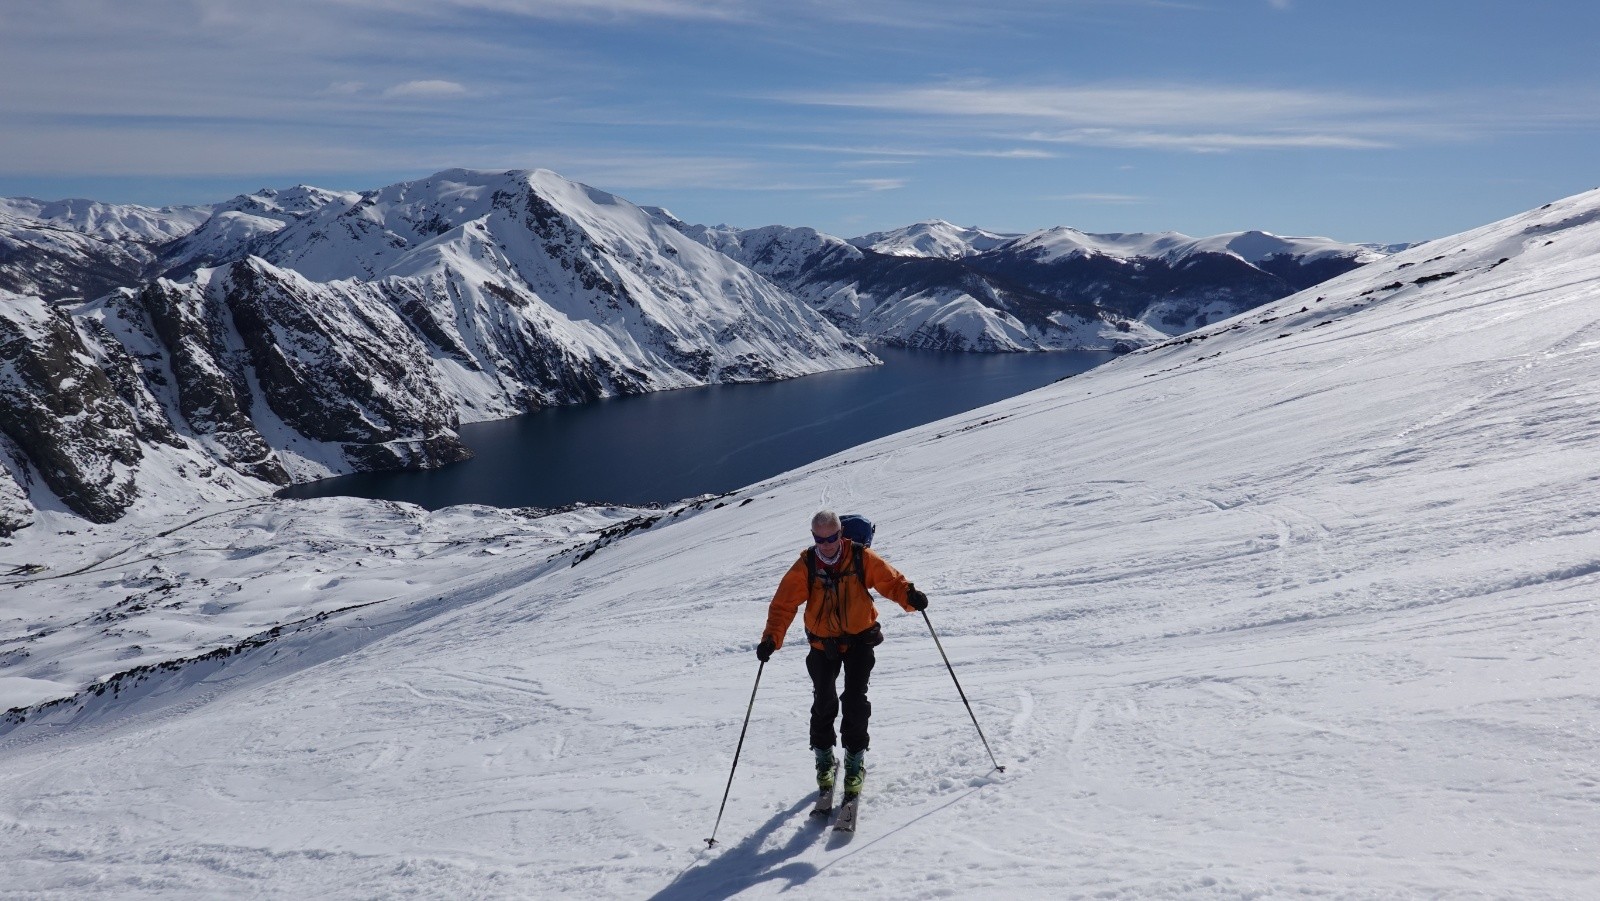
[(963, 694), (712, 841)]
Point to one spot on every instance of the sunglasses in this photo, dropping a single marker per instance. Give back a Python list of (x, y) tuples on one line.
[(827, 540)]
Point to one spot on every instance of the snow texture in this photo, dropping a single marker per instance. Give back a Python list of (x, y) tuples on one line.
[(1303, 604)]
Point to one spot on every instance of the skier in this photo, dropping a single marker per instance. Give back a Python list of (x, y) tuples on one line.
[(831, 579)]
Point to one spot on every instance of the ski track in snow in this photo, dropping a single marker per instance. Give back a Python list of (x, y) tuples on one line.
[(1303, 616)]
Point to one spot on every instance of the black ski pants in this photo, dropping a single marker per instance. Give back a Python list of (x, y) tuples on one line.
[(857, 664)]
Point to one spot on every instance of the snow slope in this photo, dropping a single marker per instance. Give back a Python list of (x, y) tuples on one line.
[(1303, 604), (239, 223), (120, 601)]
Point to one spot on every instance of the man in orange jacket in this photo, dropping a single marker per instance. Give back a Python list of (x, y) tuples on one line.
[(831, 579)]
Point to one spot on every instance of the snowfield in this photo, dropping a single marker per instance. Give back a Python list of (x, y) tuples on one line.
[(1306, 603)]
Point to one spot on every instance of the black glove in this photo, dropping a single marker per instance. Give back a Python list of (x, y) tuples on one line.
[(916, 599), (765, 648)]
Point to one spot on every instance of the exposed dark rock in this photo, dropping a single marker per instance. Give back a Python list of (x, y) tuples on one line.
[(414, 302), (16, 511), (212, 393), (1130, 288), (572, 249), (330, 366), (126, 376), (1301, 274), (63, 413)]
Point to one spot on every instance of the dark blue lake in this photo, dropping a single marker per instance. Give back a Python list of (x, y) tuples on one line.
[(662, 447)]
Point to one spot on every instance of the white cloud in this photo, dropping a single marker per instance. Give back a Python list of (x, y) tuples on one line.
[(1166, 117), (569, 10), (1152, 105), (1018, 154), (881, 184), (1206, 142), (268, 154), (622, 170), (426, 89), (905, 154), (902, 15), (170, 152), (1117, 199)]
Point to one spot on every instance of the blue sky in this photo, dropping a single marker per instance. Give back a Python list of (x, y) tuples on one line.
[(1361, 121)]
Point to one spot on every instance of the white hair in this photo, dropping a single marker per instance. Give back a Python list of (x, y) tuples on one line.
[(825, 522)]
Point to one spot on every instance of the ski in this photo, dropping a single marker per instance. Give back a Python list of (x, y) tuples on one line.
[(824, 806), (846, 821)]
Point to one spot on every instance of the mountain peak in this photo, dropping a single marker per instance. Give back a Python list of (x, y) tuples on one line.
[(931, 238)]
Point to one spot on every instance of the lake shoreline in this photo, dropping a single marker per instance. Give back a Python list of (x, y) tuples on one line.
[(661, 447)]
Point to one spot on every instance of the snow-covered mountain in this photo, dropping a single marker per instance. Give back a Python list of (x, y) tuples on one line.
[(1168, 280), (1299, 605), (355, 331), (511, 266), (237, 226), (937, 285), (932, 238), (109, 221), (930, 302), (76, 249)]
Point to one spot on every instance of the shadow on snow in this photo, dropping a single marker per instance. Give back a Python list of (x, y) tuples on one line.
[(746, 864)]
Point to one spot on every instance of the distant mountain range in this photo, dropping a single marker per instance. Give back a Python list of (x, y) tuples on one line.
[(286, 335), (939, 286), (83, 248)]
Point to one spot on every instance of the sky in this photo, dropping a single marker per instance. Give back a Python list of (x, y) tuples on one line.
[(1360, 121)]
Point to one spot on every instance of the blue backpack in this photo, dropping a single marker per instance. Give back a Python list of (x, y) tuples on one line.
[(858, 528)]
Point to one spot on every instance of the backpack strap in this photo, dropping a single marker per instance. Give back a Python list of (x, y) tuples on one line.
[(858, 555)]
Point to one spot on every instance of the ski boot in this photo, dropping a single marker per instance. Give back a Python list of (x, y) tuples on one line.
[(826, 766), (855, 772)]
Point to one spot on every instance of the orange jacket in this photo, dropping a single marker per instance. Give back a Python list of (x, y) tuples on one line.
[(840, 606)]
